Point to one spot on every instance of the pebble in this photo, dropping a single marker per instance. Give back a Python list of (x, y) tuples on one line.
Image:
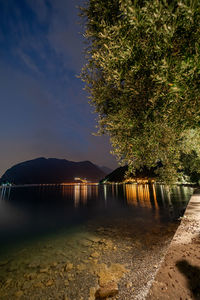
[(8, 281), (95, 255), (30, 276), (54, 264), (92, 293), (45, 270), (155, 266), (94, 239), (129, 285), (27, 285), (69, 267), (95, 261), (66, 282), (61, 274), (38, 285), (34, 265), (49, 282), (19, 293), (86, 243), (81, 267), (70, 276)]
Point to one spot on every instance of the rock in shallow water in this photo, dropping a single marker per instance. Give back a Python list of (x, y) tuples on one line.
[(44, 270), (19, 293), (69, 267), (109, 274), (108, 290), (95, 254), (49, 282)]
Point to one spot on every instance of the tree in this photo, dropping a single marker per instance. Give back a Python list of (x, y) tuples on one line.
[(143, 77)]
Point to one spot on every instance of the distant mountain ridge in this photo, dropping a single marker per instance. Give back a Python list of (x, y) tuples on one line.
[(119, 175), (51, 170), (150, 175), (106, 170)]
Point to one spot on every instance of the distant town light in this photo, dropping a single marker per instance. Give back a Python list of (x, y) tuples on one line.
[(82, 180)]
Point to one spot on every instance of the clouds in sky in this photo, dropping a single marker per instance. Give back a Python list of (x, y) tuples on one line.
[(44, 111)]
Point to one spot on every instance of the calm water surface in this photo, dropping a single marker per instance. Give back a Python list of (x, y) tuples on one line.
[(45, 228)]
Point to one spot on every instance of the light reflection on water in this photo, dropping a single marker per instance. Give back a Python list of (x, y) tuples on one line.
[(41, 208), (124, 224), (80, 192), (5, 192)]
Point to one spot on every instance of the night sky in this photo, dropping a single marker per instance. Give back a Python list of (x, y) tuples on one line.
[(44, 110)]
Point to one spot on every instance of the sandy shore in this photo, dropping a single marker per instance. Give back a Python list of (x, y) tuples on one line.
[(179, 274)]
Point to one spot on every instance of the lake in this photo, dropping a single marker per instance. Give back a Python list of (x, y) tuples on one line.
[(61, 241)]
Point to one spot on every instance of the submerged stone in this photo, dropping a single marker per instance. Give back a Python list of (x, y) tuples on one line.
[(44, 270), (94, 239), (19, 293), (109, 274), (108, 290), (30, 276), (8, 281), (92, 293), (49, 283), (39, 285), (69, 266), (86, 243), (129, 285), (95, 255), (81, 267)]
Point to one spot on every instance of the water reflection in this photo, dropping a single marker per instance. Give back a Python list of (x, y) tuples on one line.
[(83, 192), (36, 209), (76, 195), (105, 193), (5, 192), (136, 195), (141, 195), (43, 227), (154, 195)]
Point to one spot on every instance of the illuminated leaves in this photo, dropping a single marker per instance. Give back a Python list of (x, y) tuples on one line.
[(143, 75)]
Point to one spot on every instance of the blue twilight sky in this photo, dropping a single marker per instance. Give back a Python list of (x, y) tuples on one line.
[(43, 108)]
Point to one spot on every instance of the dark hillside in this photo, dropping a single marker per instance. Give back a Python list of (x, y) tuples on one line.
[(51, 170)]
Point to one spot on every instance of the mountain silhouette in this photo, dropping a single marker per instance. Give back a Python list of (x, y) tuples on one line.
[(119, 174), (51, 170), (106, 170)]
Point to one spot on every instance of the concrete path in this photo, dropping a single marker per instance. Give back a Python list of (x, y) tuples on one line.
[(179, 275)]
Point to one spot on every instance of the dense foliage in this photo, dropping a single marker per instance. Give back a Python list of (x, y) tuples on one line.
[(143, 76)]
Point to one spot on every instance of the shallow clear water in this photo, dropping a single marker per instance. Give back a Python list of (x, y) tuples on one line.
[(44, 229)]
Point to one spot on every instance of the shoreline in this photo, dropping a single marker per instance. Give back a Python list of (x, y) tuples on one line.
[(179, 274)]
